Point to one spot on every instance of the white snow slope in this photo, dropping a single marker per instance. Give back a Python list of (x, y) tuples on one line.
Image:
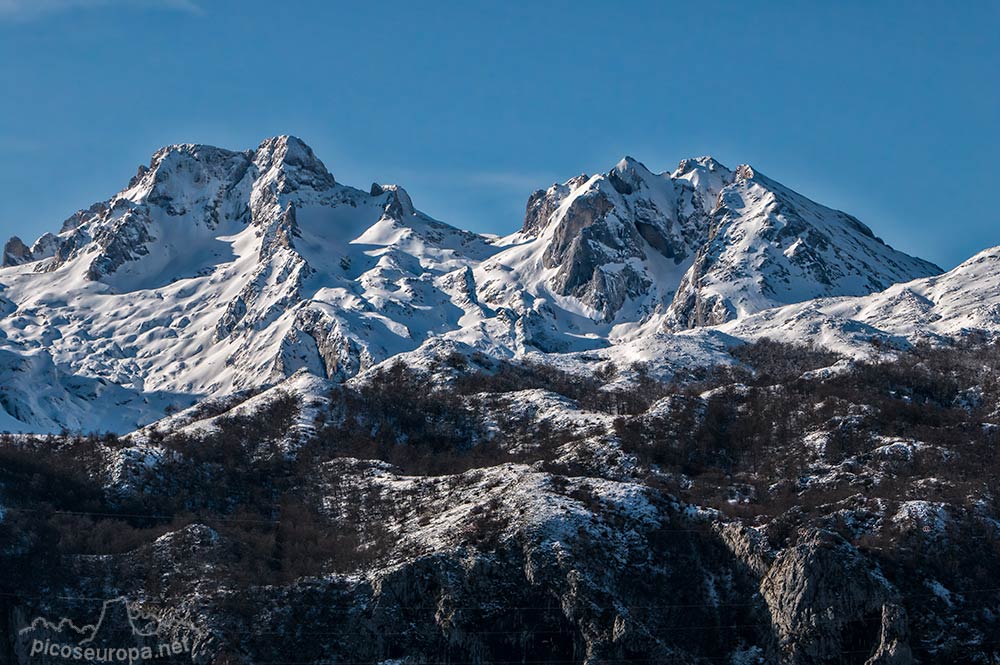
[(215, 272), (962, 302)]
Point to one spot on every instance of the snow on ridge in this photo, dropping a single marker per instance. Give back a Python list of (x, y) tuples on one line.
[(953, 304)]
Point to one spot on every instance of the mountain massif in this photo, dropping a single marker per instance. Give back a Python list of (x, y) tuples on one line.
[(215, 272)]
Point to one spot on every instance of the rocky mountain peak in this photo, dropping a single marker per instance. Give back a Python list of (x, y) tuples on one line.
[(45, 246), (81, 217), (286, 154), (171, 155), (625, 235), (770, 246), (15, 252), (704, 163), (629, 163), (706, 176), (181, 180), (699, 246), (541, 204), (629, 176), (398, 204), (744, 172)]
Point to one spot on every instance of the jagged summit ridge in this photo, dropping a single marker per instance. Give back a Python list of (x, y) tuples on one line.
[(612, 247), (630, 250)]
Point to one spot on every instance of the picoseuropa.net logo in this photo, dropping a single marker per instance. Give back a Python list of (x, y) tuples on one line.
[(122, 634)]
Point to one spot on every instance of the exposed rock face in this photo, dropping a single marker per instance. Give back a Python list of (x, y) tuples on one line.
[(290, 164), (826, 599), (607, 240), (6, 306), (542, 204), (893, 648), (123, 241), (582, 244), (94, 212), (195, 182), (341, 355), (15, 252), (750, 546), (605, 229)]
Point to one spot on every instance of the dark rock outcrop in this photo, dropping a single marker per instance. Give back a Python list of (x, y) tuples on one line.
[(15, 252), (826, 600)]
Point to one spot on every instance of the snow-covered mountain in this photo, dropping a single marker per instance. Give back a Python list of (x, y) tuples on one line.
[(598, 257), (769, 246), (614, 256), (216, 271)]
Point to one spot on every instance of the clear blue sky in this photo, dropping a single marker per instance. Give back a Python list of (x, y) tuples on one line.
[(888, 110)]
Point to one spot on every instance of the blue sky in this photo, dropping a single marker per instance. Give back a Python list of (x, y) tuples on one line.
[(887, 110)]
